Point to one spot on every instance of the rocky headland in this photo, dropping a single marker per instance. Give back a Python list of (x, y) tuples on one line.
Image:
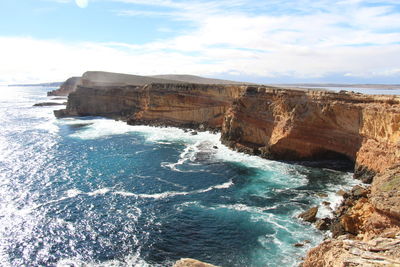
[(282, 124), (66, 87)]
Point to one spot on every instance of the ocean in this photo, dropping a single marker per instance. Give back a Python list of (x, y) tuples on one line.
[(97, 192)]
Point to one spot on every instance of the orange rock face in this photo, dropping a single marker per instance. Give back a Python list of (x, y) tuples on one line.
[(295, 124), (156, 104)]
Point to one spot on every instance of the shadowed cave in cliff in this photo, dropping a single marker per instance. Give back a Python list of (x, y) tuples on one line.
[(328, 159)]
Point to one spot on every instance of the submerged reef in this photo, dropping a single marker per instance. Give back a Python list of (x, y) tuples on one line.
[(281, 124)]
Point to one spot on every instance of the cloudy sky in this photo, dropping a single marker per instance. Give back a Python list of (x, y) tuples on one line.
[(266, 41)]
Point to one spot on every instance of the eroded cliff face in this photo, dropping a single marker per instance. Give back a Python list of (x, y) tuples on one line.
[(182, 105), (299, 125)]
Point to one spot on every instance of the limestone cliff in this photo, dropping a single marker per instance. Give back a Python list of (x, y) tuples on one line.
[(298, 125), (67, 87), (186, 105)]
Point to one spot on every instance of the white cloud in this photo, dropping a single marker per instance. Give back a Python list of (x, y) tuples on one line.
[(319, 39), (31, 60)]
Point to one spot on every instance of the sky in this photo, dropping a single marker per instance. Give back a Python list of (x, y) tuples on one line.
[(264, 41)]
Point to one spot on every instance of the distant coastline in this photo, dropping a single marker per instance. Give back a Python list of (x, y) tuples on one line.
[(49, 84)]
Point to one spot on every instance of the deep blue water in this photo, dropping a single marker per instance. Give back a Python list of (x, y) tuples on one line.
[(96, 192)]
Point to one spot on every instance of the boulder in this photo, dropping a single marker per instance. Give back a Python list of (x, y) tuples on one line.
[(323, 224), (309, 215)]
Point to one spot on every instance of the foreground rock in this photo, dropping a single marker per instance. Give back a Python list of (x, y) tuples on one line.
[(186, 262), (379, 251), (366, 230), (309, 215)]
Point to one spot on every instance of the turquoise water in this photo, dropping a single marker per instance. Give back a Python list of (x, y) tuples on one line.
[(97, 192)]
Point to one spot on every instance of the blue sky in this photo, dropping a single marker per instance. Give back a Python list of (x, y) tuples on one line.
[(275, 41)]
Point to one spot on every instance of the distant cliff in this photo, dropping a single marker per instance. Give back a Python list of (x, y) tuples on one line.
[(66, 87), (101, 79), (50, 84)]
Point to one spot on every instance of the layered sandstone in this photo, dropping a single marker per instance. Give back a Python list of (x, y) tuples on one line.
[(185, 105), (379, 251), (302, 125)]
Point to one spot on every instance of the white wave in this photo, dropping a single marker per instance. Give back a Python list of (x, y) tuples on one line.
[(171, 183), (97, 128), (100, 127), (175, 193), (49, 126), (163, 195), (224, 185), (333, 198), (100, 191), (73, 193)]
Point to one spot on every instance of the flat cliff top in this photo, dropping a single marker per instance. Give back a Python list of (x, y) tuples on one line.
[(101, 77), (196, 79), (107, 78), (322, 94)]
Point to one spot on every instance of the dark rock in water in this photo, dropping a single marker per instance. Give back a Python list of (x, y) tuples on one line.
[(45, 104), (322, 195), (297, 245), (309, 215), (215, 147), (80, 125), (59, 98), (194, 133), (326, 203), (323, 224), (341, 193)]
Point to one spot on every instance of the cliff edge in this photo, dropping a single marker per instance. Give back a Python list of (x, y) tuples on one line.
[(305, 124)]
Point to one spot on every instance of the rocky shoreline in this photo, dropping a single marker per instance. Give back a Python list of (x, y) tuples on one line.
[(366, 227), (284, 124)]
